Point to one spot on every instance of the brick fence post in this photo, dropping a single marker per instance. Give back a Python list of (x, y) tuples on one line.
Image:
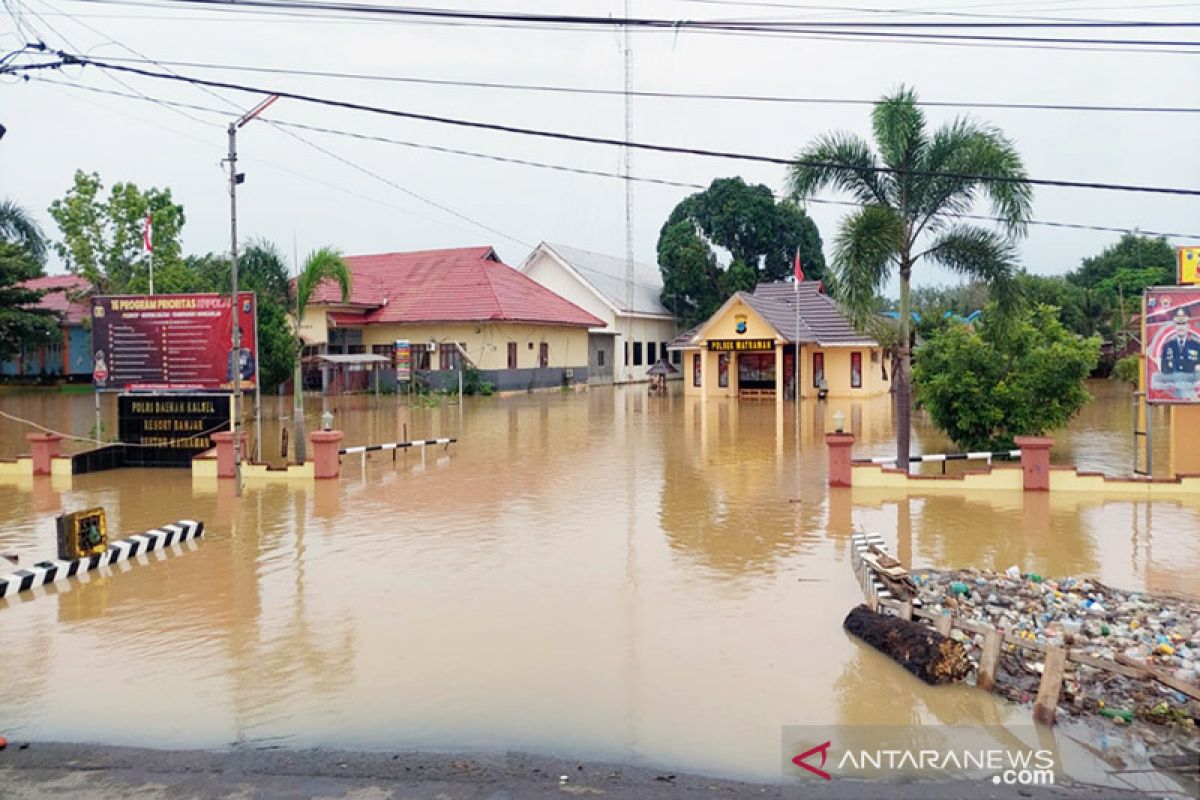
[(225, 464), (839, 445), (45, 450), (1035, 461), (326, 461)]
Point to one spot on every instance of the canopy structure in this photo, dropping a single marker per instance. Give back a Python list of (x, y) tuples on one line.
[(662, 367), (343, 359)]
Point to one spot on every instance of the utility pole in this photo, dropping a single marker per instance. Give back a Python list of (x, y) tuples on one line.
[(235, 360), (628, 180)]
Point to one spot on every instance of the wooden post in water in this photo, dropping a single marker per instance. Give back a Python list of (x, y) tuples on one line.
[(989, 660), (1052, 677)]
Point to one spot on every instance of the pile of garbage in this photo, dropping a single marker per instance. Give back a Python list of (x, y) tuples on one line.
[(1160, 632)]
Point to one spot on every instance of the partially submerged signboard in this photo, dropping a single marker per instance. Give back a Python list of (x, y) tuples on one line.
[(175, 341), (1172, 315), (167, 430)]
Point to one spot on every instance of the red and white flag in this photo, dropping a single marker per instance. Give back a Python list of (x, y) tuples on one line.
[(146, 243), (797, 269)]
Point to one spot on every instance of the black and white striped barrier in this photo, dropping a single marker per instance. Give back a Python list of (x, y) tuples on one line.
[(872, 586), (45, 572), (370, 448), (943, 457)]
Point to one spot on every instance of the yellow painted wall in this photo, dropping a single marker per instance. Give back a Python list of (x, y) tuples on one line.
[(1185, 430), (1068, 480), (837, 371), (487, 343), (1011, 478), (314, 329), (873, 476), (724, 326)]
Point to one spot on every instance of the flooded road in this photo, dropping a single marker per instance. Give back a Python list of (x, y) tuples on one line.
[(603, 574)]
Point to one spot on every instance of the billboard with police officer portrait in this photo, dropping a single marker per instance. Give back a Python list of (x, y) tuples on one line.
[(1172, 344)]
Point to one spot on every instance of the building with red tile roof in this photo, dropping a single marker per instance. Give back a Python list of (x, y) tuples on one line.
[(67, 297), (454, 307)]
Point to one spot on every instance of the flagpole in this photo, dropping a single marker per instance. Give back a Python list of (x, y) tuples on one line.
[(796, 343), (148, 245)]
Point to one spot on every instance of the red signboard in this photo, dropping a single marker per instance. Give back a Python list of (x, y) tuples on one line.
[(171, 341), (1172, 344)]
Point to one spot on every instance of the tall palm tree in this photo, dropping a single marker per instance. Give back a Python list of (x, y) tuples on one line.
[(913, 196), (18, 227), (321, 265)]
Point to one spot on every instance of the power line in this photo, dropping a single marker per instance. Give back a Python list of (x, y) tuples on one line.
[(586, 90), (75, 59), (313, 145), (680, 24), (590, 172), (1103, 46)]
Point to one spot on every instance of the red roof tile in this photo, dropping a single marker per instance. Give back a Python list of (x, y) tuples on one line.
[(56, 299), (468, 284)]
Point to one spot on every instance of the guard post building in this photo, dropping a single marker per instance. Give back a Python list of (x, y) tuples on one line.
[(748, 348)]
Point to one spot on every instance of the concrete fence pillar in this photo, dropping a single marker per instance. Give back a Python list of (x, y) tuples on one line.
[(325, 446), (1035, 461), (839, 445), (45, 449), (226, 467)]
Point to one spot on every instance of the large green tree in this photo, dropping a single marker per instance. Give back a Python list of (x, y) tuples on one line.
[(1117, 277), (759, 234), (324, 264), (102, 237), (262, 270), (912, 195), (986, 385), (21, 323), (17, 226)]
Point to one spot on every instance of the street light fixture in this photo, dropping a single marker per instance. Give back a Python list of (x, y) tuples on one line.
[(235, 361)]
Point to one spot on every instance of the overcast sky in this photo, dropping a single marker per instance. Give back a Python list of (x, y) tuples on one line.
[(293, 193)]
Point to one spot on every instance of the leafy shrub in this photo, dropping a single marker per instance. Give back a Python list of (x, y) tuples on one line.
[(1020, 377), (1127, 369)]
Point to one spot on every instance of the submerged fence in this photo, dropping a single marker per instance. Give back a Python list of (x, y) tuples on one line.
[(942, 458)]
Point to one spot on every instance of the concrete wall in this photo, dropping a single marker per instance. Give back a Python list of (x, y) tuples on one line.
[(601, 344), (640, 329), (487, 343), (518, 380), (629, 328), (79, 355), (545, 270)]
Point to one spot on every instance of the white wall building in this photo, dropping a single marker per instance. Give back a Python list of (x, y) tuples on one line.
[(632, 338)]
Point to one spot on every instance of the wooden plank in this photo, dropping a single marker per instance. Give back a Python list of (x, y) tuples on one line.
[(1163, 677), (891, 572), (928, 613), (906, 609), (1080, 657), (942, 623), (972, 627), (989, 659), (1046, 704)]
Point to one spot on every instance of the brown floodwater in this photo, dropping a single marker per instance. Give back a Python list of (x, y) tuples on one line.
[(599, 574)]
